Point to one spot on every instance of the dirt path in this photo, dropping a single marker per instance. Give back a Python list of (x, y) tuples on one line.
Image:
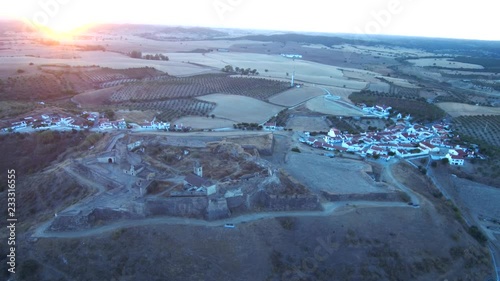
[(336, 208), (388, 175)]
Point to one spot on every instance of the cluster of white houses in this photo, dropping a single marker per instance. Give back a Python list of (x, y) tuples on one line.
[(47, 121), (400, 140), (86, 120)]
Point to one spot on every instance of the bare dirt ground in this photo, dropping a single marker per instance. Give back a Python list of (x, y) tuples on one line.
[(309, 124), (332, 107), (337, 175), (241, 109), (351, 245), (296, 96), (460, 109)]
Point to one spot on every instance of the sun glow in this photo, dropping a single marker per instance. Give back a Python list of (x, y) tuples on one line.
[(63, 31)]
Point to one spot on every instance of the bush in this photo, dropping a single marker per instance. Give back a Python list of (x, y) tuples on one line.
[(287, 223), (296, 149), (29, 270), (478, 235)]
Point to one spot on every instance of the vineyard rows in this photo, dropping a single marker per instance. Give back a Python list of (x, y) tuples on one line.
[(117, 82), (97, 77), (174, 108), (483, 127), (171, 88)]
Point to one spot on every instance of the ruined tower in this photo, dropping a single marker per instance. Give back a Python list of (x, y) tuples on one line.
[(198, 169)]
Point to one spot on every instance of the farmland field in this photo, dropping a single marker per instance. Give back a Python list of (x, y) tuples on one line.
[(296, 96), (276, 66), (485, 128), (461, 109), (241, 109), (173, 108), (33, 87), (171, 87), (331, 107), (445, 63), (95, 98), (305, 123)]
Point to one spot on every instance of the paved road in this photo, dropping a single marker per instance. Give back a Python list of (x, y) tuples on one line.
[(329, 209)]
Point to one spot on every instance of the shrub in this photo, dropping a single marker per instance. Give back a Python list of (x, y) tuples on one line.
[(478, 235), (296, 149)]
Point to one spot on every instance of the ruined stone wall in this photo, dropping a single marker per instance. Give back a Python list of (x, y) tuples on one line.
[(381, 197), (70, 223), (103, 215), (217, 209), (269, 202), (96, 177), (192, 207)]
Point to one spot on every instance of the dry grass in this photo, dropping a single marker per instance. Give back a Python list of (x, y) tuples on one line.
[(96, 98), (296, 96), (461, 109), (326, 106), (204, 122), (241, 109), (445, 62)]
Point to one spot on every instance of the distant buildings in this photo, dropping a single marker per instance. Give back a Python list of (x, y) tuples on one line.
[(404, 141), (292, 56)]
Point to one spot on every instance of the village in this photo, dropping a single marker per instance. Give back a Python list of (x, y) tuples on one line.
[(94, 121), (404, 140)]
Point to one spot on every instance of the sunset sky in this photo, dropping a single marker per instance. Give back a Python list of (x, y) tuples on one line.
[(443, 18)]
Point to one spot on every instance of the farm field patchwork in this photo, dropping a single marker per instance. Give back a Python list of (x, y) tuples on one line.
[(241, 109), (276, 66)]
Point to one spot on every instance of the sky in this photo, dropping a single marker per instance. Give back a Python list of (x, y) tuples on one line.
[(476, 19)]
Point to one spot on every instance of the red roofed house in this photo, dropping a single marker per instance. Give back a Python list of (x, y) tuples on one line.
[(429, 146), (270, 126), (456, 158)]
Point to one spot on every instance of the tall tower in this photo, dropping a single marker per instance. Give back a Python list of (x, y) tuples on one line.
[(198, 169)]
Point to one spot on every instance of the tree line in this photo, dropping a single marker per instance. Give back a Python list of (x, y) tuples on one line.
[(139, 55), (242, 71)]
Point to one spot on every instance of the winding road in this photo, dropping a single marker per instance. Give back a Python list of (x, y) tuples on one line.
[(331, 208)]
